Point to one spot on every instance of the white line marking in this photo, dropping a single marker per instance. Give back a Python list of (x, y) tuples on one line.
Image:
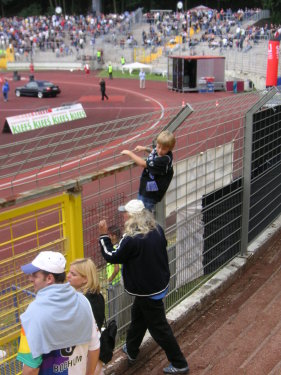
[(57, 168)]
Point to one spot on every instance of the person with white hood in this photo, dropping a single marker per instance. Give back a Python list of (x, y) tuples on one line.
[(59, 333), (142, 252)]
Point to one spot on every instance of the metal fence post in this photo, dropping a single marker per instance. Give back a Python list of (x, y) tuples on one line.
[(172, 126), (75, 225), (247, 167), (160, 213)]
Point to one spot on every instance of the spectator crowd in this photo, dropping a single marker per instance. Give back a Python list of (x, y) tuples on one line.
[(70, 34), (61, 34), (219, 28)]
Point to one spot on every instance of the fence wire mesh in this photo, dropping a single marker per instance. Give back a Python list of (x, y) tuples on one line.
[(22, 235), (203, 204), (265, 188), (59, 156), (73, 153)]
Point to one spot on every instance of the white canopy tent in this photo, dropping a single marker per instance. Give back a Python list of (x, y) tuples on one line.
[(200, 8), (135, 66)]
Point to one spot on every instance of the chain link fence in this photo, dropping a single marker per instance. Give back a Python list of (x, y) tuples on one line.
[(225, 191)]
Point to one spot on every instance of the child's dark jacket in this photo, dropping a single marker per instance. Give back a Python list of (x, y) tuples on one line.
[(157, 175)]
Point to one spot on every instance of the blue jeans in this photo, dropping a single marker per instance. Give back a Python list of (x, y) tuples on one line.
[(149, 203)]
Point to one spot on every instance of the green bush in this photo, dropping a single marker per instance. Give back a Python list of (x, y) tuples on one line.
[(33, 9)]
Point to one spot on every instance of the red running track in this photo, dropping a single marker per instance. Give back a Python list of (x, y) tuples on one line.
[(125, 100)]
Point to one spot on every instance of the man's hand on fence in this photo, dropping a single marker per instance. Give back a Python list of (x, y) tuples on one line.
[(103, 229)]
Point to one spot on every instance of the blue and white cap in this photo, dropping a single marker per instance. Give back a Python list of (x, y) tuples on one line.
[(50, 261)]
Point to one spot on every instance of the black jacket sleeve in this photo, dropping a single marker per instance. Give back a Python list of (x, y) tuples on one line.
[(121, 253)]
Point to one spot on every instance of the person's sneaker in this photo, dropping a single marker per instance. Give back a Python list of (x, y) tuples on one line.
[(173, 370), (130, 359)]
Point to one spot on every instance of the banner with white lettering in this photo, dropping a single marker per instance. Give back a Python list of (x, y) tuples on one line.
[(41, 119)]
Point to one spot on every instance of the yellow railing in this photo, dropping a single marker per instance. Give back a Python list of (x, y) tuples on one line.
[(6, 56), (141, 56), (54, 223)]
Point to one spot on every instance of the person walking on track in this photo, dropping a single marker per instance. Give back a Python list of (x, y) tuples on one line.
[(102, 89)]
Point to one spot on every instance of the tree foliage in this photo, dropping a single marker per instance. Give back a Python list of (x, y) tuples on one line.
[(275, 9), (35, 7), (4, 3)]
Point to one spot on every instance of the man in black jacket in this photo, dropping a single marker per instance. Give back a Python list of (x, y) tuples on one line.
[(143, 253), (102, 89)]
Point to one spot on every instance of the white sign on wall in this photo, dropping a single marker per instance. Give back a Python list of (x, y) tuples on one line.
[(41, 119)]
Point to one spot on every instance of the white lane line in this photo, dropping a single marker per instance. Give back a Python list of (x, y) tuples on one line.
[(71, 163)]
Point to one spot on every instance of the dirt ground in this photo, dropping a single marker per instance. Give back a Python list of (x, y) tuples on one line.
[(241, 332)]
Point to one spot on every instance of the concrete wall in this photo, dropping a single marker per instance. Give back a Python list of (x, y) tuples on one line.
[(45, 66), (258, 79)]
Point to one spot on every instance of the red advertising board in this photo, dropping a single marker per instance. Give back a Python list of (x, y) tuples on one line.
[(272, 63)]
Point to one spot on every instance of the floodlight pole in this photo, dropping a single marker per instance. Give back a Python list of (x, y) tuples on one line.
[(96, 7)]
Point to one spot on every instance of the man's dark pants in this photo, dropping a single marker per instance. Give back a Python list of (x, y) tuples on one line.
[(150, 314)]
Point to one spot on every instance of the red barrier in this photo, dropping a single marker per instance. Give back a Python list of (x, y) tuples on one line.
[(87, 69), (272, 63), (31, 68)]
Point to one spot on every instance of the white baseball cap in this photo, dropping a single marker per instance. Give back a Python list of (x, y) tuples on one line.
[(134, 206), (50, 261)]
